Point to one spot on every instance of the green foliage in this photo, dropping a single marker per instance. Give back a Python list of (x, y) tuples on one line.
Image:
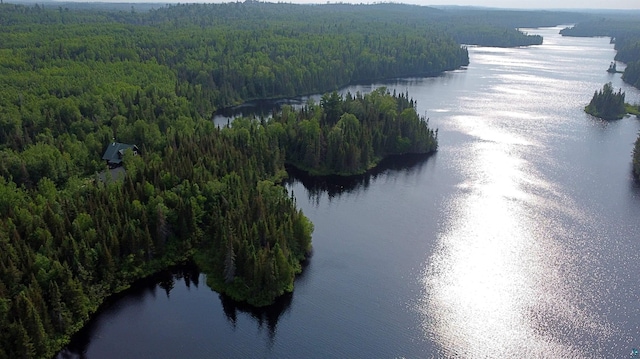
[(607, 104), (474, 33), (258, 257), (350, 135), (618, 27), (65, 249), (632, 109), (631, 73), (636, 158)]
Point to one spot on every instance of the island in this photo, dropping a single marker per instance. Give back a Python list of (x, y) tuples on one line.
[(613, 68), (607, 104)]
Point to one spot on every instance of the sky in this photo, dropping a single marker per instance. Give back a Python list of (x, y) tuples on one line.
[(505, 4), (510, 4), (545, 4)]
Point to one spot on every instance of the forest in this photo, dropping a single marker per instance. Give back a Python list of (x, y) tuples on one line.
[(343, 136), (607, 104), (351, 134), (74, 80)]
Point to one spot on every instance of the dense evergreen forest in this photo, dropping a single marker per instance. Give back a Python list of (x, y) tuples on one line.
[(340, 135), (607, 104), (350, 135), (222, 55), (477, 26), (75, 79)]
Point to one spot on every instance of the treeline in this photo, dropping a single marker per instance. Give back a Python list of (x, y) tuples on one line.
[(498, 27), (351, 134), (629, 52), (636, 158), (616, 26), (607, 104), (488, 27), (516, 18), (224, 54), (501, 28), (489, 35)]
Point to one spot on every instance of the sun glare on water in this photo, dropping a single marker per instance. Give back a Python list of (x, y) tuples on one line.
[(500, 284)]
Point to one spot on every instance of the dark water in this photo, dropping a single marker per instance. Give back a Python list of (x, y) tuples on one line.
[(519, 238)]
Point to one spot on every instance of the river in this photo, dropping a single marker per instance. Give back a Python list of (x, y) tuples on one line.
[(519, 238)]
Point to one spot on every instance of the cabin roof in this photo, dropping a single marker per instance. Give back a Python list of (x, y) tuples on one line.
[(115, 152)]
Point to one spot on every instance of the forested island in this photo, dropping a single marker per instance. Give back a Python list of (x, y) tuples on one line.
[(75, 80), (607, 104)]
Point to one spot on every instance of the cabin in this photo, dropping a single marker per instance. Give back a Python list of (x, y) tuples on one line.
[(114, 154)]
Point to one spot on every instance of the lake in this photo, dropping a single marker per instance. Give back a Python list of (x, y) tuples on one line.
[(520, 237)]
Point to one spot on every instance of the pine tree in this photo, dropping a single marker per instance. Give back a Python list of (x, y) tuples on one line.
[(229, 262)]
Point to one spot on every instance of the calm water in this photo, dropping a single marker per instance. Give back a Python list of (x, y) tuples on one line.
[(519, 238)]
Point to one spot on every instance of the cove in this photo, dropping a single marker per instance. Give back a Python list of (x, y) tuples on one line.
[(517, 238)]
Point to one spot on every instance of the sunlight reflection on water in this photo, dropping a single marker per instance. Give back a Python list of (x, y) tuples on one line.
[(504, 282), (497, 281)]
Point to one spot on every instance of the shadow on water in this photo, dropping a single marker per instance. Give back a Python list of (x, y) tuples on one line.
[(335, 186), (258, 108), (140, 289), (266, 317), (190, 274)]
